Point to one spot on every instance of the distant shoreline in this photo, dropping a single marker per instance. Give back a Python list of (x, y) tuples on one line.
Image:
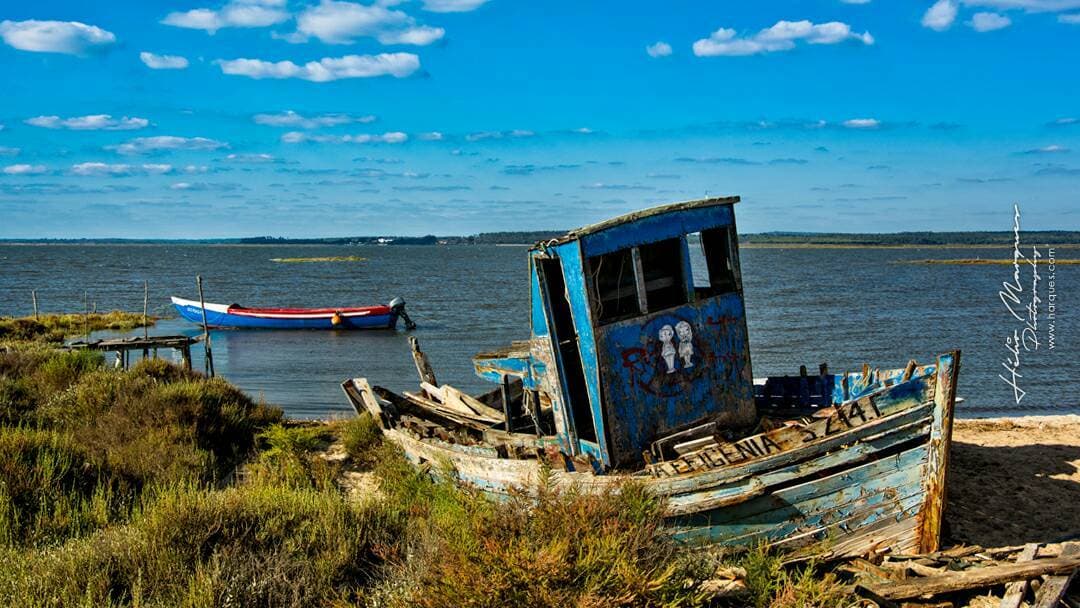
[(769, 240)]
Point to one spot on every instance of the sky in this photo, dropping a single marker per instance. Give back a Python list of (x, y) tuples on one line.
[(301, 118)]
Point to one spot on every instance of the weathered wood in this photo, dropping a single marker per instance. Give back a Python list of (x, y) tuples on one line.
[(33, 296), (457, 401), (452, 394), (360, 395), (851, 415), (972, 579), (423, 366), (933, 511), (1014, 592), (206, 330), (1055, 586), (910, 369)]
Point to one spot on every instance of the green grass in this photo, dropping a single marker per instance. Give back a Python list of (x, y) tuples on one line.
[(56, 327), (156, 486)]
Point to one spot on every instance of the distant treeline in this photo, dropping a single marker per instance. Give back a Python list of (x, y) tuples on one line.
[(484, 238), (1029, 237)]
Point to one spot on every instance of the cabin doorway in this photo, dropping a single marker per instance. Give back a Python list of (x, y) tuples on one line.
[(565, 337)]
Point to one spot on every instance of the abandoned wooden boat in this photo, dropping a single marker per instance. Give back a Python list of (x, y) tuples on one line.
[(236, 316), (638, 368)]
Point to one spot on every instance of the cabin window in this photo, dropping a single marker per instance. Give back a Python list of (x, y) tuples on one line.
[(662, 274), (712, 262), (615, 286)]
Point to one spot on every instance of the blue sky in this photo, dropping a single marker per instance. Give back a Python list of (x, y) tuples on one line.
[(308, 118)]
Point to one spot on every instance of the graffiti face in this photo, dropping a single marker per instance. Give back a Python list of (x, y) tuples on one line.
[(686, 344)]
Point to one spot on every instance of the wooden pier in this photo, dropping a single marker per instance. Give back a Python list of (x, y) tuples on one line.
[(123, 346)]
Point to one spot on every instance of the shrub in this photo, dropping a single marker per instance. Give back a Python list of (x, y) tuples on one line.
[(51, 490), (361, 437), (244, 546)]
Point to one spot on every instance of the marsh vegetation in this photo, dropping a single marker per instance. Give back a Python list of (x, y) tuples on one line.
[(156, 486)]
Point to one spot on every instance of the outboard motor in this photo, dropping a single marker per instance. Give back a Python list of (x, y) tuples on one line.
[(397, 306)]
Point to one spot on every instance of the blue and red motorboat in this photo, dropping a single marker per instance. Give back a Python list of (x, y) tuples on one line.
[(242, 317)]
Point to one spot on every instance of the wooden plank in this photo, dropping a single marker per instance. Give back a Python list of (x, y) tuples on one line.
[(933, 512), (852, 415), (1014, 592), (743, 489), (973, 578), (360, 396), (451, 394), (804, 505), (708, 479), (423, 366), (1055, 586)]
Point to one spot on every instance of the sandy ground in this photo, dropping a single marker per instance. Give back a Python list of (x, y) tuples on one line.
[(1014, 480)]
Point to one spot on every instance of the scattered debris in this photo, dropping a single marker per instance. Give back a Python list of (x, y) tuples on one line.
[(1032, 575)]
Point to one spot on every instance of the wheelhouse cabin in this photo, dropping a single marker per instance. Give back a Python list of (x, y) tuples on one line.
[(638, 335)]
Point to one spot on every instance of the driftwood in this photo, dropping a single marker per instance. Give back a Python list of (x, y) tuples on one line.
[(1014, 592), (1055, 586), (423, 366), (968, 579)]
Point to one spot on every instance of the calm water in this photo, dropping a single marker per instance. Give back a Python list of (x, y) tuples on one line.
[(806, 306)]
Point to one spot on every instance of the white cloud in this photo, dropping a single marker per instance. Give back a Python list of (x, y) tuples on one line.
[(855, 1), (25, 169), (163, 62), (862, 123), (780, 37), (1066, 121), (238, 13), (988, 22), (161, 143), (390, 137), (1051, 149), (432, 136), (327, 69), (1071, 19), (658, 49), (421, 35), (68, 37), (251, 158), (294, 120), (1031, 6), (119, 170), (482, 135), (6, 151), (335, 22), (453, 6), (940, 16), (93, 122)]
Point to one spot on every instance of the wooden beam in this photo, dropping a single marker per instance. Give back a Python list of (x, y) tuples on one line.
[(973, 578), (423, 366), (1014, 592), (1055, 586)]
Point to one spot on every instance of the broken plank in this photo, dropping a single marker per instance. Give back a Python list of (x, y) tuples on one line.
[(1014, 592), (423, 366), (1055, 586), (452, 394), (972, 579)]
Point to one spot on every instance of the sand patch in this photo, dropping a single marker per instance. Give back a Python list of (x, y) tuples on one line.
[(1014, 480)]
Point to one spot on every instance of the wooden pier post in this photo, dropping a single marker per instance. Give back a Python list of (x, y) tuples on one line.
[(33, 295), (145, 306), (206, 330)]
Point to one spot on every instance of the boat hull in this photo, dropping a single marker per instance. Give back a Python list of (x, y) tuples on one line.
[(224, 316), (869, 477)]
